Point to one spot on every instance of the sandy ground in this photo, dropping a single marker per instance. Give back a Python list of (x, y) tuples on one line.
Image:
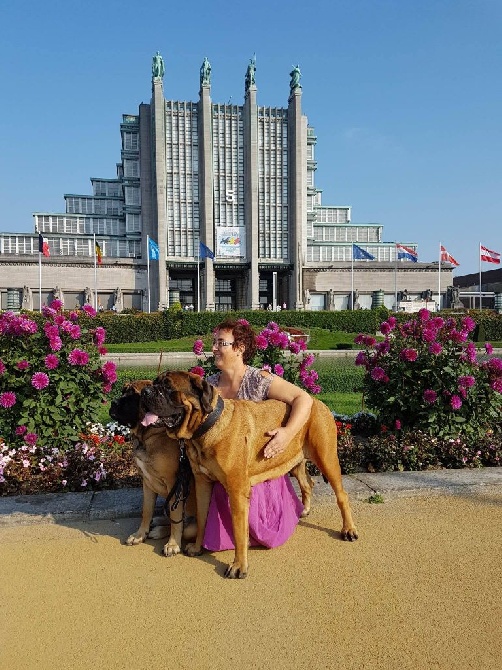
[(422, 588)]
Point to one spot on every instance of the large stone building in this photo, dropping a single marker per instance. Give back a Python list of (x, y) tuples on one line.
[(238, 180)]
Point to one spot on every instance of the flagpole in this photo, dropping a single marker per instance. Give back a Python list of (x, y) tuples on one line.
[(352, 280), (148, 269), (198, 277), (40, 280), (480, 298), (395, 280), (95, 276), (439, 279)]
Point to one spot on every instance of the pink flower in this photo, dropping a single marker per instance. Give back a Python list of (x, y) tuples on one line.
[(40, 380), (89, 310), (7, 399), (197, 370), (378, 374), (468, 324), (430, 396), (78, 357), (294, 348), (198, 347), (409, 355), (361, 358), (424, 315), (488, 348), (497, 385), (55, 343), (22, 365), (397, 425), (20, 430), (261, 342), (102, 351), (456, 402), (75, 332), (467, 381), (279, 370), (31, 439), (435, 348), (99, 336), (51, 361), (56, 304), (267, 367), (109, 371), (385, 328)]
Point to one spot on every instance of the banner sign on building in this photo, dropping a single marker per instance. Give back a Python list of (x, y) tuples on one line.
[(231, 242)]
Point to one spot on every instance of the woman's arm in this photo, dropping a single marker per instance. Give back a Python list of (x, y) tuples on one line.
[(301, 404)]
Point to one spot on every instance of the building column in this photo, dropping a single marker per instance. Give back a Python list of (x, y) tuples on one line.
[(297, 194), (251, 220), (159, 191), (206, 195)]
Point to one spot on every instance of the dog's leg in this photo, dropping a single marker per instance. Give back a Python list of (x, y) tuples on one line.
[(306, 485), (203, 490), (173, 545), (330, 467), (149, 499), (239, 507)]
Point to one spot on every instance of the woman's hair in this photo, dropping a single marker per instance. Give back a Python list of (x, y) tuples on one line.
[(243, 334)]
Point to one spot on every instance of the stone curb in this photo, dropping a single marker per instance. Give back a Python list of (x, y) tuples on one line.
[(126, 503)]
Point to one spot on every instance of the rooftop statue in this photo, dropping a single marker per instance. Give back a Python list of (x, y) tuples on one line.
[(295, 75), (205, 72), (250, 74), (158, 68)]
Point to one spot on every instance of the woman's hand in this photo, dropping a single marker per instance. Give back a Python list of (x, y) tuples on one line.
[(281, 437)]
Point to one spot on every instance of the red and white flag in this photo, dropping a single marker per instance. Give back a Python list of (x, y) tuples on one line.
[(489, 256), (43, 245), (448, 258)]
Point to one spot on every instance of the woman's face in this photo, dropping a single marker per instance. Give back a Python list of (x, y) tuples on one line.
[(225, 355)]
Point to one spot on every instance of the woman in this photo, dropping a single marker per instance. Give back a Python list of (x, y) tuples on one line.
[(274, 506)]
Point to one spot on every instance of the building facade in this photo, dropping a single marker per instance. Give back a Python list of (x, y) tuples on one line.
[(238, 179)]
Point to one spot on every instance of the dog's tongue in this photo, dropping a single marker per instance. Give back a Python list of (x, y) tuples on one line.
[(149, 418)]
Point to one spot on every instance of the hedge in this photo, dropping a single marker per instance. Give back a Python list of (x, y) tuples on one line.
[(174, 323)]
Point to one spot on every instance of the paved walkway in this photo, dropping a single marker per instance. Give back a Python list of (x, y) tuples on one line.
[(420, 589), (124, 503)]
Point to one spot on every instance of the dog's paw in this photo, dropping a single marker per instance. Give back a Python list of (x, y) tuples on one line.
[(171, 549), (234, 571), (158, 532), (349, 534), (135, 538), (193, 549)]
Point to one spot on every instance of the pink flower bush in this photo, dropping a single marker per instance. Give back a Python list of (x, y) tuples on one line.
[(39, 388), (427, 375)]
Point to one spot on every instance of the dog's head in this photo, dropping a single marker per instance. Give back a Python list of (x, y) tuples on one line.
[(179, 401), (127, 409)]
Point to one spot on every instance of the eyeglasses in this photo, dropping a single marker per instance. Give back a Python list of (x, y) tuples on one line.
[(219, 344)]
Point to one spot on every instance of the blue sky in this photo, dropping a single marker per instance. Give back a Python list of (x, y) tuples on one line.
[(405, 97)]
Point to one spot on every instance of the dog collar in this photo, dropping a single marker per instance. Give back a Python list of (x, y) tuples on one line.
[(211, 419)]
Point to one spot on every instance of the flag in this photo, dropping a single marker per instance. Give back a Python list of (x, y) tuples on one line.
[(153, 250), (406, 253), (98, 253), (489, 256), (448, 258), (205, 252), (43, 245), (360, 254)]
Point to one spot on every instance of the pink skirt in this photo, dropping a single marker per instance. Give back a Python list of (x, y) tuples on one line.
[(274, 511)]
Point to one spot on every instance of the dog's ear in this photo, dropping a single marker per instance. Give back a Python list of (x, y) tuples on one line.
[(205, 391)]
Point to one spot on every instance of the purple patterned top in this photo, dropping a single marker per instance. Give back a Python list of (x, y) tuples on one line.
[(254, 384)]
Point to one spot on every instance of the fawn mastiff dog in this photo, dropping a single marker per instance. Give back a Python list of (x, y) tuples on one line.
[(226, 439), (157, 457)]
